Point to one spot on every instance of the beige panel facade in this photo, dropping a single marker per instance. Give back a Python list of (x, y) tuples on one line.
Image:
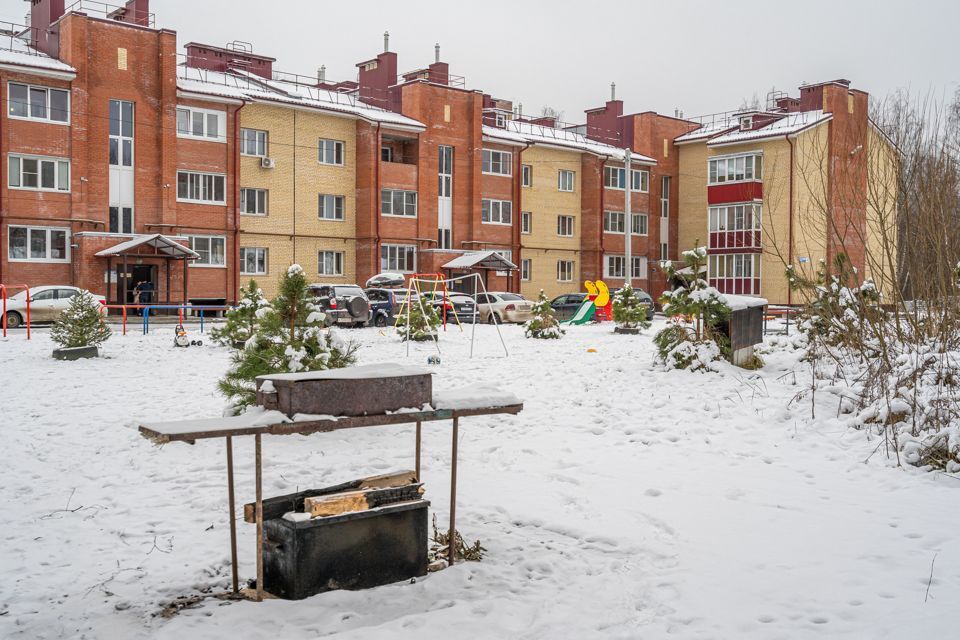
[(544, 247), (294, 186)]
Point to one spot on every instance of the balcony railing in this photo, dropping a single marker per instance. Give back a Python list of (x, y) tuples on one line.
[(113, 12)]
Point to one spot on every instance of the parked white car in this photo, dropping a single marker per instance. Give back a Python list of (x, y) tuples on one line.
[(46, 304), (503, 307)]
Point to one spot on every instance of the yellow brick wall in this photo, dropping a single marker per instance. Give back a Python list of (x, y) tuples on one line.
[(692, 221), (882, 188), (294, 186), (544, 200)]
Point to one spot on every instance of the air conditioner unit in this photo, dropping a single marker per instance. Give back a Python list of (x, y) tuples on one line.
[(268, 163)]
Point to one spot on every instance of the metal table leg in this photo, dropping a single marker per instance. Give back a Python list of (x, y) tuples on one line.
[(259, 517), (233, 519), (452, 540), (419, 433)]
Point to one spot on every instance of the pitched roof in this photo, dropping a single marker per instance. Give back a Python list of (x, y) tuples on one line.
[(529, 133), (481, 260), (160, 242), (243, 85), (17, 51), (791, 124)]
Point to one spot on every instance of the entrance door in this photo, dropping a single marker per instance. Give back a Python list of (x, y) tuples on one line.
[(137, 273)]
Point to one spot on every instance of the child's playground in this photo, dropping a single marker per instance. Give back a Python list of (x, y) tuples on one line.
[(626, 499)]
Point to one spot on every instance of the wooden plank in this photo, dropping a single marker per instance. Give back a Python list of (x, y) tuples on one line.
[(336, 504), (323, 426), (279, 505)]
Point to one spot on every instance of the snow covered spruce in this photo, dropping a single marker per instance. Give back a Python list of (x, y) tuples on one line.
[(288, 336), (629, 313), (80, 329), (242, 319), (543, 324), (418, 322), (692, 339)]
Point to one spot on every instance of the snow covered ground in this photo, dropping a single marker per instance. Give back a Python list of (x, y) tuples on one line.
[(624, 502)]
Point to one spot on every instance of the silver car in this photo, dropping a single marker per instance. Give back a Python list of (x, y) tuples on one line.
[(502, 306), (46, 304)]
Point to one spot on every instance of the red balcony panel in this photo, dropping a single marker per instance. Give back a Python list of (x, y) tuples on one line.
[(734, 242), (735, 192)]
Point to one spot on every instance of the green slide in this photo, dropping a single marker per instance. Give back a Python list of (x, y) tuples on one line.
[(584, 314)]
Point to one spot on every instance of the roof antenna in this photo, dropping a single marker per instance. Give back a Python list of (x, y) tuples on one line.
[(613, 91), (386, 41), (436, 52)]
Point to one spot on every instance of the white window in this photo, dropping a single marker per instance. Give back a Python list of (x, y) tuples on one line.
[(525, 270), (496, 211), (38, 244), (746, 123), (614, 266), (526, 222), (330, 263), (201, 188), (121, 173), (398, 257), (665, 197), (664, 253), (212, 250), (566, 180), (201, 124), (640, 224), (395, 202), (331, 151), (253, 202), (38, 103), (639, 270), (501, 120), (498, 163), (614, 177), (735, 168), (565, 226), (640, 180), (508, 254), (735, 217), (121, 219), (253, 142), (253, 261), (526, 175), (38, 173), (330, 207), (735, 273), (614, 221), (564, 270)]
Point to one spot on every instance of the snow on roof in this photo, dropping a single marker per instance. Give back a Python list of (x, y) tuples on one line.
[(737, 302), (527, 132), (707, 130), (792, 123), (158, 241), (361, 372), (243, 85), (17, 51), (482, 259)]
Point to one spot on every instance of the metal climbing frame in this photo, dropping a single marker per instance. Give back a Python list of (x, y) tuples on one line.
[(3, 294)]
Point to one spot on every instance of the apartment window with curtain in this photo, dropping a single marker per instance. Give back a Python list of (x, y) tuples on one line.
[(253, 202), (253, 261), (35, 102), (330, 207), (253, 142), (497, 162)]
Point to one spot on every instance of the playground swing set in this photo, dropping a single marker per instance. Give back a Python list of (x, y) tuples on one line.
[(420, 283)]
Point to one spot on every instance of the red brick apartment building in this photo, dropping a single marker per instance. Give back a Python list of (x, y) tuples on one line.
[(124, 163)]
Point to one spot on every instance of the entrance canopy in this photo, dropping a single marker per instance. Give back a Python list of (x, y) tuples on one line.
[(481, 260), (163, 246)]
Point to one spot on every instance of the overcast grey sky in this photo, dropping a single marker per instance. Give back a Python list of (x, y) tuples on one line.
[(697, 55)]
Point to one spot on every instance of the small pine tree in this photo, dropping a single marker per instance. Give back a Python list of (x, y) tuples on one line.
[(694, 337), (543, 324), (289, 337), (416, 323), (242, 319), (628, 310), (80, 324)]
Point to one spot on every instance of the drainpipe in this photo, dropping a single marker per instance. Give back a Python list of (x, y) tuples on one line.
[(235, 158), (518, 187), (376, 201), (790, 219)]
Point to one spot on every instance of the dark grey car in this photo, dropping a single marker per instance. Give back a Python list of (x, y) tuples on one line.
[(344, 304)]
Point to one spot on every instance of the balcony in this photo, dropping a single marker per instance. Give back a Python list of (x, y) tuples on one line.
[(398, 161)]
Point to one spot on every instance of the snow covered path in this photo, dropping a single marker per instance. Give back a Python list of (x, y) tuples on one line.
[(624, 502)]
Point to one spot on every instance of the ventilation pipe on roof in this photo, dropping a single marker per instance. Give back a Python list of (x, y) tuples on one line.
[(322, 74), (436, 52), (386, 41), (613, 90)]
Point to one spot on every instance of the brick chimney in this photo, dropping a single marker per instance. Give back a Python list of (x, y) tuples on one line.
[(604, 123), (43, 15), (377, 79)]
